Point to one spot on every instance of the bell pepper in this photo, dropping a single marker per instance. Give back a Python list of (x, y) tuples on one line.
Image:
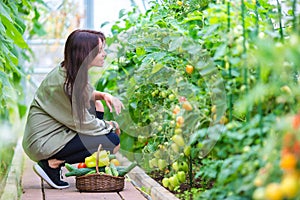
[(90, 161)]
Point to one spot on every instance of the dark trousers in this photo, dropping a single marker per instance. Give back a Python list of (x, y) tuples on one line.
[(82, 146)]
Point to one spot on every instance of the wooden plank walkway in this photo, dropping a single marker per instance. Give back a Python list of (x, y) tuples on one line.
[(36, 189)]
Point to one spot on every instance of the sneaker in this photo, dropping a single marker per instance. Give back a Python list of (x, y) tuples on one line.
[(50, 175)]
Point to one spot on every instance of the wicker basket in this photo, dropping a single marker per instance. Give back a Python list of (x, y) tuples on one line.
[(99, 182)]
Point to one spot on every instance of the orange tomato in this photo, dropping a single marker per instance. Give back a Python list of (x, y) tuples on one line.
[(296, 121), (288, 161), (288, 139), (285, 150), (189, 69), (296, 148), (180, 120), (176, 110)]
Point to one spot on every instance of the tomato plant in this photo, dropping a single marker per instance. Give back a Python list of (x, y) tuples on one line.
[(205, 84)]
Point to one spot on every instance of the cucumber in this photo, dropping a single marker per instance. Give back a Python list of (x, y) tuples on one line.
[(123, 172), (113, 169), (82, 171), (108, 170), (112, 156), (119, 168), (79, 172), (91, 172), (70, 167)]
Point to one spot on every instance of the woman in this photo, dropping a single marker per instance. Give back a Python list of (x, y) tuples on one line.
[(65, 120)]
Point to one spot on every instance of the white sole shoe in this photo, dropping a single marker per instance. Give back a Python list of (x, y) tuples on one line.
[(40, 172)]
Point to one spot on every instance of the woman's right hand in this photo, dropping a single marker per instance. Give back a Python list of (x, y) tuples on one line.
[(116, 126)]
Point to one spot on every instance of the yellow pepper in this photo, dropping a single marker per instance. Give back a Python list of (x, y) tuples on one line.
[(103, 159)]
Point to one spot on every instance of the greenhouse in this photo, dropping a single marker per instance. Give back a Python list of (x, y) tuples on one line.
[(150, 99)]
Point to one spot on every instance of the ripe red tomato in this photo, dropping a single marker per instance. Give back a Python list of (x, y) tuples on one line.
[(81, 165)]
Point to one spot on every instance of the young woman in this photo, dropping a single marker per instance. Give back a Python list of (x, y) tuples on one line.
[(65, 120)]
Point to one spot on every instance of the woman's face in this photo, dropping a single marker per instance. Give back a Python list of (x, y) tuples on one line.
[(99, 59)]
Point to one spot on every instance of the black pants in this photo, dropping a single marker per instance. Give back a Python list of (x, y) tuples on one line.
[(82, 146)]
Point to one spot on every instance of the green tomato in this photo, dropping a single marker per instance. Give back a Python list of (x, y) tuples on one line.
[(161, 164), (165, 182), (183, 166), (172, 97), (163, 94), (174, 181), (178, 131), (259, 194), (151, 118), (159, 128), (153, 162), (175, 147), (175, 166), (157, 154), (187, 151), (181, 176), (178, 139), (142, 139), (171, 187)]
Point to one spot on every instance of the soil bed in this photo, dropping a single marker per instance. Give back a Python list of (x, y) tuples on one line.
[(198, 184)]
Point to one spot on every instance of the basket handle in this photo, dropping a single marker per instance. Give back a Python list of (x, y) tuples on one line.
[(97, 158)]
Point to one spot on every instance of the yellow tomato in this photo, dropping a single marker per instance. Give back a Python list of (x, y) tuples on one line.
[(290, 186), (115, 162), (223, 120), (179, 3), (273, 192), (214, 109)]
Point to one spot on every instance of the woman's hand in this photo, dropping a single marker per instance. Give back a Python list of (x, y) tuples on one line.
[(111, 101), (116, 127)]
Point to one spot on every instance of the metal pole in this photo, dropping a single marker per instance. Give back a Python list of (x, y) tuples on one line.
[(89, 14)]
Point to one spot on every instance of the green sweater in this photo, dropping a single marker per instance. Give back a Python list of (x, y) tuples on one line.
[(50, 124)]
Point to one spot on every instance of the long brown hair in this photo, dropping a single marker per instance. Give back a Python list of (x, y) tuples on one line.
[(81, 47)]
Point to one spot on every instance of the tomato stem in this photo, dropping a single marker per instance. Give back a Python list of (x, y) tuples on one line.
[(280, 20), (190, 170)]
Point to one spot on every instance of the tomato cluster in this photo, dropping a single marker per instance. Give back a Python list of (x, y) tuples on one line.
[(289, 185), (171, 156)]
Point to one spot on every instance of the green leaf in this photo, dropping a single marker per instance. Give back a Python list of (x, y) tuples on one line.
[(140, 51), (104, 24), (220, 52), (4, 11), (157, 67), (22, 110), (13, 33), (122, 13)]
